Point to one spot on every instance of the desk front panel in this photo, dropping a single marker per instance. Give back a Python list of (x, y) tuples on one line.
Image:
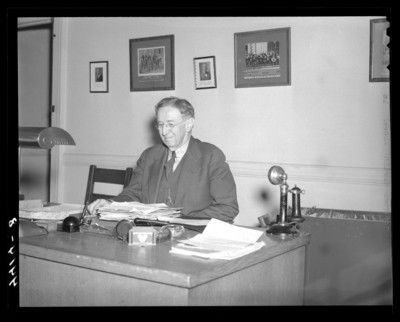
[(47, 283), (278, 281), (87, 269)]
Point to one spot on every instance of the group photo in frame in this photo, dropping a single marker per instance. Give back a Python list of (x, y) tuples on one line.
[(152, 63), (379, 52), (98, 72), (205, 72), (262, 58)]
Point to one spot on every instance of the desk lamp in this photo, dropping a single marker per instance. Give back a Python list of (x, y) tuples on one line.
[(284, 226), (42, 138)]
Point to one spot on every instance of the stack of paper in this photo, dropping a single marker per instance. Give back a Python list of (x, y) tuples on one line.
[(183, 221), (220, 240), (54, 212), (117, 211)]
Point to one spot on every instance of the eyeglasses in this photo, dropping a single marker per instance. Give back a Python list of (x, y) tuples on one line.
[(169, 126)]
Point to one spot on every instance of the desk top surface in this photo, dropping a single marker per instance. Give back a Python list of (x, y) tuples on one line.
[(154, 263)]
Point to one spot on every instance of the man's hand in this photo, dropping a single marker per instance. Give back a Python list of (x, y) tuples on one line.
[(97, 204)]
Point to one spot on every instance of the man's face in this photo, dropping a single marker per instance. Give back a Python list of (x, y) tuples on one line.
[(175, 137)]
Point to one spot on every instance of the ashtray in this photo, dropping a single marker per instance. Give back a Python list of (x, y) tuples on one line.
[(176, 230)]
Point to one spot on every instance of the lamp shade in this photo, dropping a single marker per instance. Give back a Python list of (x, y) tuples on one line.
[(43, 137)]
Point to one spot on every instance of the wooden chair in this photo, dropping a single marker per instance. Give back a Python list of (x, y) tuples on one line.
[(102, 175)]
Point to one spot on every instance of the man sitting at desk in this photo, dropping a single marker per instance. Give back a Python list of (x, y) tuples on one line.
[(182, 172)]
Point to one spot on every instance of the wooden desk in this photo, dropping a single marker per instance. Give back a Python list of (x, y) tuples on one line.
[(62, 269)]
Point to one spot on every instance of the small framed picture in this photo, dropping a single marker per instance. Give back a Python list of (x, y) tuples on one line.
[(205, 75), (379, 52), (99, 77)]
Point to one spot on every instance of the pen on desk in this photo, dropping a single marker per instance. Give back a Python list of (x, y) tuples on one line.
[(87, 209), (84, 212)]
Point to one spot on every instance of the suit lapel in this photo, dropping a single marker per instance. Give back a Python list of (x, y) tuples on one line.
[(190, 168), (156, 170)]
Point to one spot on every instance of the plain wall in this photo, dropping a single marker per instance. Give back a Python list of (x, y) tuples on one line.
[(329, 129)]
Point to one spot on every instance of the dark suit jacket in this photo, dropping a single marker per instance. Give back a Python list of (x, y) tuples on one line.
[(206, 187)]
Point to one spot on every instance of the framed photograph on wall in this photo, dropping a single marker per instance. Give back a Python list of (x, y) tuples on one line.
[(152, 63), (205, 72), (379, 52), (98, 77), (262, 58)]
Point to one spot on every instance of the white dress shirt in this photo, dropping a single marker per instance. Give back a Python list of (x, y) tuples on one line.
[(179, 154)]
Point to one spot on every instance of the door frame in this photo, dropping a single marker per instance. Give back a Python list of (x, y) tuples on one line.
[(58, 103), (23, 24)]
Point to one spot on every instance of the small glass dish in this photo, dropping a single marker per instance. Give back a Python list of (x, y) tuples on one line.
[(176, 230)]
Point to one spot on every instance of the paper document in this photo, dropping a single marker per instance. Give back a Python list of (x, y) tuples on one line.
[(117, 211), (208, 253), (192, 222), (54, 212), (133, 206), (220, 229), (220, 240)]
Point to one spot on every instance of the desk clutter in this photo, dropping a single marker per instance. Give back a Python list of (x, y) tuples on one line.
[(128, 231), (220, 240), (131, 210), (47, 216), (134, 222), (51, 217), (145, 225), (162, 230), (142, 236), (217, 240), (36, 210)]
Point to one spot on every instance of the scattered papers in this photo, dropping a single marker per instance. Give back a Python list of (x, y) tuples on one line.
[(133, 206), (58, 212), (223, 230), (212, 254), (117, 211), (181, 221), (220, 240)]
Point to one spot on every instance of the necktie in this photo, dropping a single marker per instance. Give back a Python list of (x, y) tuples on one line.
[(169, 166)]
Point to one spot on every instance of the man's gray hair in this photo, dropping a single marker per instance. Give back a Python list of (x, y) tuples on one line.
[(182, 105)]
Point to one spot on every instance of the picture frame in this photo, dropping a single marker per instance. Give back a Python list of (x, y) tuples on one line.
[(379, 52), (205, 75), (98, 72), (152, 63), (262, 58)]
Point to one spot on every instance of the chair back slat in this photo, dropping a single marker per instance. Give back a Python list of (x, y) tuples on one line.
[(101, 175)]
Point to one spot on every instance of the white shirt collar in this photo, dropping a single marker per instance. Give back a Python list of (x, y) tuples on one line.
[(180, 152)]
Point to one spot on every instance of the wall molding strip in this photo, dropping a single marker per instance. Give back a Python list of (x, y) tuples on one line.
[(299, 172)]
